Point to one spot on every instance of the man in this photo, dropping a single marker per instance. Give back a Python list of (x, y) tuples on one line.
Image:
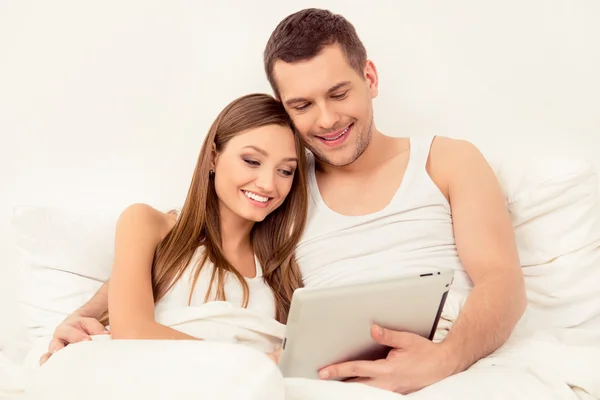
[(383, 206)]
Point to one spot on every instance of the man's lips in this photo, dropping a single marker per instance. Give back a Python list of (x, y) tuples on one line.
[(336, 138), (333, 134)]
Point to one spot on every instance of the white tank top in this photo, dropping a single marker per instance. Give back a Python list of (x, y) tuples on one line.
[(412, 234), (260, 300)]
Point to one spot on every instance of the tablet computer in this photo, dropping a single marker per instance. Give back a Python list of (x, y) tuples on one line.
[(330, 325)]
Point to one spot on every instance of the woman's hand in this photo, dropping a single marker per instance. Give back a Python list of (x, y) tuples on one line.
[(275, 355), (75, 328)]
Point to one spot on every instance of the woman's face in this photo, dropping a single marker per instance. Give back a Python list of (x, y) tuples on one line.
[(254, 172)]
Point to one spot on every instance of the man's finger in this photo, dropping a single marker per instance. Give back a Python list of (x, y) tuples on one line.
[(355, 369), (93, 326), (395, 339)]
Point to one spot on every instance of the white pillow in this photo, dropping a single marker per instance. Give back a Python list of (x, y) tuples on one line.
[(554, 204), (555, 209), (66, 255)]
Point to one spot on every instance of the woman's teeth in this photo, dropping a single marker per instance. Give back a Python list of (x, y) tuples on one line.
[(256, 197)]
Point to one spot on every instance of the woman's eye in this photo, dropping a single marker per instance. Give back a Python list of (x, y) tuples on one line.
[(287, 172), (252, 163)]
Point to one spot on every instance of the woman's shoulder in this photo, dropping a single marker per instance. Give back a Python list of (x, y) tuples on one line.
[(148, 218)]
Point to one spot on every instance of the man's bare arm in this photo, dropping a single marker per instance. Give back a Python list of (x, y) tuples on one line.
[(487, 249)]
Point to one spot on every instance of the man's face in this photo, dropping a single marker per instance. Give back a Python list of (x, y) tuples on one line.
[(330, 104)]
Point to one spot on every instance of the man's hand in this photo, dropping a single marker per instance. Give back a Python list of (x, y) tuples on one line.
[(75, 328), (414, 363)]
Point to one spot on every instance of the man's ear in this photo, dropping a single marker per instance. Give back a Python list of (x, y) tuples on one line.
[(371, 78)]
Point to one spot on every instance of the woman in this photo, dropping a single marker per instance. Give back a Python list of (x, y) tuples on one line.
[(235, 236)]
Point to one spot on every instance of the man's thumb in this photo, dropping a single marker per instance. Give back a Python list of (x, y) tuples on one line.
[(388, 337)]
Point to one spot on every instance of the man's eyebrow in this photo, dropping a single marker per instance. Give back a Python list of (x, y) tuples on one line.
[(264, 153), (338, 86), (332, 89), (295, 100)]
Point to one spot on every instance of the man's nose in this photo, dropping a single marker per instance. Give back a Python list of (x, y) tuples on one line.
[(328, 118)]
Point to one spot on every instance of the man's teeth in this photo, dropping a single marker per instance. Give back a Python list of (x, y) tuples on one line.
[(339, 136), (256, 197)]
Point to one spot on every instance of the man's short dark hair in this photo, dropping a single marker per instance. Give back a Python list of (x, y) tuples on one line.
[(302, 35)]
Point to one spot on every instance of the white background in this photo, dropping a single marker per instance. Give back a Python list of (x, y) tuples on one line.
[(106, 103)]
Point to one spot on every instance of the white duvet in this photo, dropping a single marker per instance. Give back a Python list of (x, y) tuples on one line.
[(231, 364)]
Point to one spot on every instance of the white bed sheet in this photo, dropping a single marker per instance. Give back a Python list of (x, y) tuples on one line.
[(563, 363), (12, 369)]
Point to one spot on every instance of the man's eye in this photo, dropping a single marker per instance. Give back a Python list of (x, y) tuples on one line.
[(340, 96)]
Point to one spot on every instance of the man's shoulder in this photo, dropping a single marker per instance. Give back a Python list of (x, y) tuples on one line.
[(454, 155), (453, 160), (449, 148)]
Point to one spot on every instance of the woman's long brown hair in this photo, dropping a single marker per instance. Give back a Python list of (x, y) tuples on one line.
[(274, 239)]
